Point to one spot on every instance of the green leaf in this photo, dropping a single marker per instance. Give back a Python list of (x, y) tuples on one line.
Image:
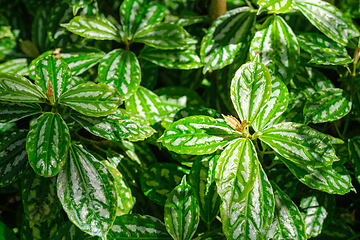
[(287, 222), (121, 70), (39, 29), (330, 21), (159, 180), (278, 48), (275, 6), (135, 226), (338, 229), (6, 233), (354, 155), (87, 192), (284, 179), (13, 111), (250, 89), (47, 144), (146, 104), (138, 14), (17, 66), (181, 212), (172, 58), (7, 46), (327, 105), (68, 231), (197, 135), (225, 37), (164, 36), (300, 144), (78, 3), (91, 99), (39, 197), (34, 62), (15, 88), (13, 157), (328, 56), (202, 181), (272, 110), (94, 27)]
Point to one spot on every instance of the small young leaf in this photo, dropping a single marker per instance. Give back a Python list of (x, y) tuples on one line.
[(13, 111), (275, 6)]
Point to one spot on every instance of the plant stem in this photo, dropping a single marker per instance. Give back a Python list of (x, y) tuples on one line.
[(347, 121), (249, 4), (218, 8), (337, 130)]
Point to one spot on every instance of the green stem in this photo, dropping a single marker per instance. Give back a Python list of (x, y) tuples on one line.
[(347, 121), (249, 4), (337, 130)]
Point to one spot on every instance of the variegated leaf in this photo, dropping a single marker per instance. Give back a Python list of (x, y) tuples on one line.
[(47, 144), (172, 58), (121, 70), (181, 212), (278, 48), (13, 111), (34, 62), (78, 3), (94, 27), (354, 155), (250, 89), (330, 21), (275, 6), (287, 222), (197, 135), (68, 231), (284, 179), (13, 157), (17, 66), (15, 88), (327, 105), (272, 110), (39, 35), (225, 37), (164, 36), (328, 56), (92, 99), (87, 192)]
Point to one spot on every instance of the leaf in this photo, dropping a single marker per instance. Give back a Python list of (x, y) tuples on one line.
[(159, 180), (6, 233), (278, 48), (135, 226), (202, 181), (78, 3), (121, 70), (91, 99), (93, 27), (284, 179), (300, 144), (181, 212), (328, 56), (87, 192), (16, 66), (39, 197), (172, 58), (15, 88), (354, 155), (197, 135), (275, 6), (146, 104), (138, 14), (250, 90), (39, 30), (327, 105), (272, 110), (13, 111), (164, 36), (330, 21), (68, 231), (13, 157), (34, 62), (287, 222), (225, 37)]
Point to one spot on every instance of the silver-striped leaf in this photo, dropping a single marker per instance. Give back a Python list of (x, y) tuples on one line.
[(78, 3), (13, 111), (287, 222), (250, 89), (68, 231), (225, 37), (15, 88), (39, 197), (327, 105), (328, 56), (272, 110), (284, 179), (354, 155), (92, 99), (278, 48), (87, 192), (146, 104), (181, 212), (16, 66), (172, 58), (164, 36), (47, 144), (300, 144), (94, 27), (39, 35), (197, 135), (135, 226), (121, 70), (310, 42), (35, 61), (13, 157), (330, 21), (138, 14), (275, 6)]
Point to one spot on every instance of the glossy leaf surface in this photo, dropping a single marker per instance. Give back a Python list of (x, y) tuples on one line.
[(121, 70), (13, 111), (16, 66), (87, 192), (328, 56), (275, 6)]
